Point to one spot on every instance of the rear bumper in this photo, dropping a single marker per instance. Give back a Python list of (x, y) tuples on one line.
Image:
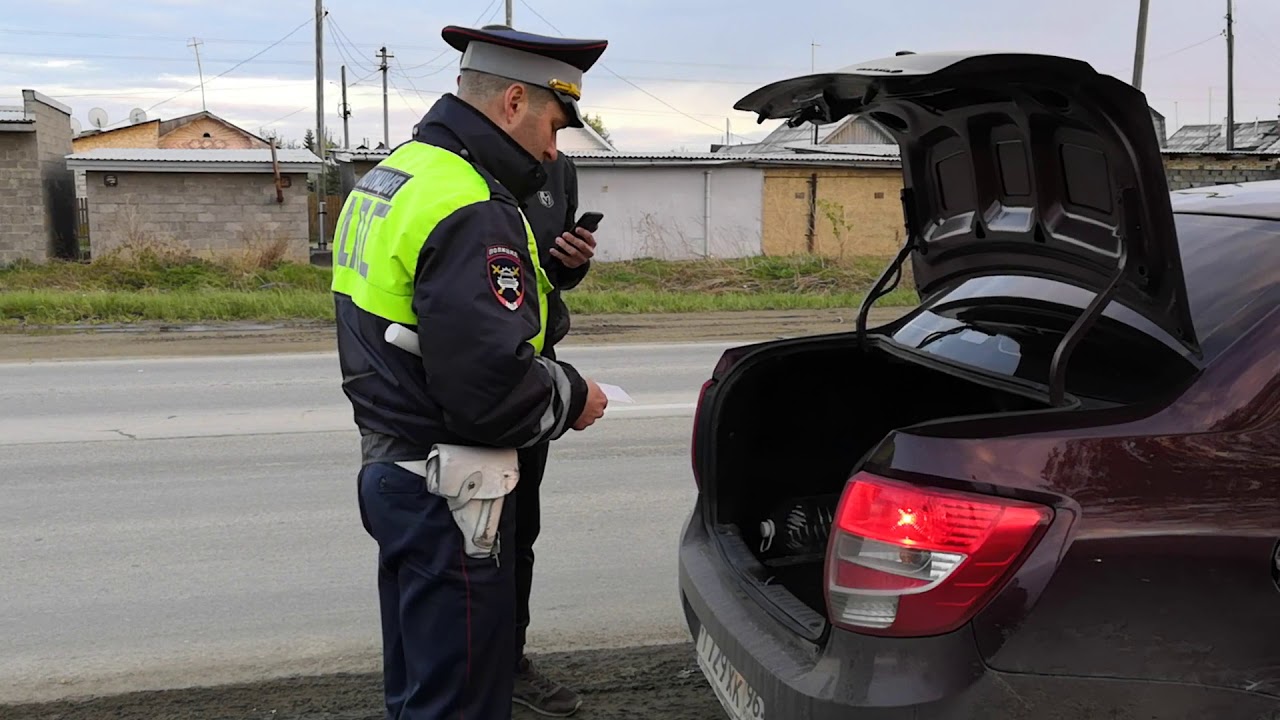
[(870, 678)]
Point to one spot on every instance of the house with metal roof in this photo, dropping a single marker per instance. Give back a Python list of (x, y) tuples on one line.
[(38, 204), (852, 134), (691, 205), (206, 202), (197, 131), (1258, 136)]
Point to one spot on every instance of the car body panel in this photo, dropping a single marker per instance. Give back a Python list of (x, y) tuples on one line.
[(942, 678), (1252, 200), (1169, 576), (1017, 164)]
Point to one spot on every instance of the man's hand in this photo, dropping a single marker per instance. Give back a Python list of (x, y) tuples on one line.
[(594, 409), (574, 251)]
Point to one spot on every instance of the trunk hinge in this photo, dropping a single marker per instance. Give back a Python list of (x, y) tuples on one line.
[(1087, 319), (888, 280)]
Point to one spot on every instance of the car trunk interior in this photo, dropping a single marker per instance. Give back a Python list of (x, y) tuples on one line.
[(791, 428)]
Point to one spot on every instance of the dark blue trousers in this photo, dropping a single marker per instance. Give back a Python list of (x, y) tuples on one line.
[(447, 619)]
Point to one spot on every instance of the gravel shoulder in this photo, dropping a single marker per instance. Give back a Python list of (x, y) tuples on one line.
[(657, 683), (152, 340)]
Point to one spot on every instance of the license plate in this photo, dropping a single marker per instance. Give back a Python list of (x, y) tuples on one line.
[(740, 700)]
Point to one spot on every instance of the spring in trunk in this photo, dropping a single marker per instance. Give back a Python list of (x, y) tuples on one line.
[(802, 526)]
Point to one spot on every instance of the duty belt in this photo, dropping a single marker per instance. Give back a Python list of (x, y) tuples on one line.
[(474, 481)]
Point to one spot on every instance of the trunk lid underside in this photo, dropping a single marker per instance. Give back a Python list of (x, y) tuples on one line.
[(1015, 164)]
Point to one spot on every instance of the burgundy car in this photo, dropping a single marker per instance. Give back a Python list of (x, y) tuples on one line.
[(1050, 491)]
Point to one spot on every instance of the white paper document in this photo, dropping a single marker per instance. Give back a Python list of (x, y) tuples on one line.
[(615, 393)]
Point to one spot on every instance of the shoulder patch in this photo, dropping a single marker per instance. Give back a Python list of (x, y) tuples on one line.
[(505, 271)]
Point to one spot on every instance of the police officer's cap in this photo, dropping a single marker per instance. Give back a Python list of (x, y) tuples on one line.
[(556, 64)]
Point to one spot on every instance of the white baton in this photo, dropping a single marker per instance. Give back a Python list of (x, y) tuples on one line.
[(403, 338)]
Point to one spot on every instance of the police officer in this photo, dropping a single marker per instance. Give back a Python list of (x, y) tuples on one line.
[(565, 252), (433, 239)]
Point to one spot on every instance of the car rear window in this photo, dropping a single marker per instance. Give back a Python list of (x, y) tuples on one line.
[(1229, 263), (1011, 325)]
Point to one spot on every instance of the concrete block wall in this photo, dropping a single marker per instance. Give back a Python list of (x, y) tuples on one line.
[(22, 220), (1191, 171), (53, 140), (207, 214)]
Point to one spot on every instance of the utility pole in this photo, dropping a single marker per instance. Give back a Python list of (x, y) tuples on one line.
[(509, 23), (195, 43), (320, 136), (1140, 48), (1231, 71), (813, 65), (344, 111), (386, 123)]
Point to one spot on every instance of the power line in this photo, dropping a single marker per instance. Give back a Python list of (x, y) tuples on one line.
[(362, 67), (152, 58), (340, 38), (228, 71), (412, 85), (1192, 46), (152, 40), (404, 100), (151, 93), (308, 107), (637, 87), (483, 14)]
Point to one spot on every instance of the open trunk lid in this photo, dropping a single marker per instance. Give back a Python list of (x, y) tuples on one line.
[(1015, 164)]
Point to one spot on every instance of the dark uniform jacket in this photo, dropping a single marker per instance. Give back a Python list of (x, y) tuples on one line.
[(479, 382), (552, 211)]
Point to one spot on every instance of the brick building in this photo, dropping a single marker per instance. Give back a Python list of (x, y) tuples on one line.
[(208, 202), (37, 194), (197, 131)]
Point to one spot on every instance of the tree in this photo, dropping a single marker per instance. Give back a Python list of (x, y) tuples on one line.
[(597, 124), (332, 179), (280, 140)]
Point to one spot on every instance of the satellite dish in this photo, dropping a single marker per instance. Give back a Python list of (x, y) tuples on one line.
[(137, 115), (98, 118), (75, 127)]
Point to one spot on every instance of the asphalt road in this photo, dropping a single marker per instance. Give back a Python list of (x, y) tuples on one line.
[(193, 521)]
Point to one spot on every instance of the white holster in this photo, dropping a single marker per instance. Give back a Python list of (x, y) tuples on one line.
[(474, 481)]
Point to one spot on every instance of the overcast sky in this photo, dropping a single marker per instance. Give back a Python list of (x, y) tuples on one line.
[(680, 64)]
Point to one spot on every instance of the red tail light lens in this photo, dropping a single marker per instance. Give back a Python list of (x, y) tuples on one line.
[(693, 442), (911, 561)]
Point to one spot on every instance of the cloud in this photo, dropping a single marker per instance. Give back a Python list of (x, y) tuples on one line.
[(700, 65), (58, 64)]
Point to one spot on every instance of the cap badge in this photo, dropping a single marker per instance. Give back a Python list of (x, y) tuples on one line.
[(568, 88)]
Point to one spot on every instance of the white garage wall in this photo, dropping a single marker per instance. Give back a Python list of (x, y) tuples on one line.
[(658, 211)]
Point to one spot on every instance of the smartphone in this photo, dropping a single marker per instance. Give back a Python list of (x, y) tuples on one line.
[(590, 221)]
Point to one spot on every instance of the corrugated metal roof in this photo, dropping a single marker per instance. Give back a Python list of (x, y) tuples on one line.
[(1225, 153), (152, 155), (1261, 135), (675, 156), (875, 153), (361, 155), (622, 159), (869, 150)]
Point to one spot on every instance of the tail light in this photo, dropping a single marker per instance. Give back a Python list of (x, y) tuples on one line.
[(693, 442), (904, 560)]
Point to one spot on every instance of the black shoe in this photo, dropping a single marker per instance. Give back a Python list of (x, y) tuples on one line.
[(543, 695)]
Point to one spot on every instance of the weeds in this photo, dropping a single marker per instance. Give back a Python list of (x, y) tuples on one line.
[(150, 281)]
